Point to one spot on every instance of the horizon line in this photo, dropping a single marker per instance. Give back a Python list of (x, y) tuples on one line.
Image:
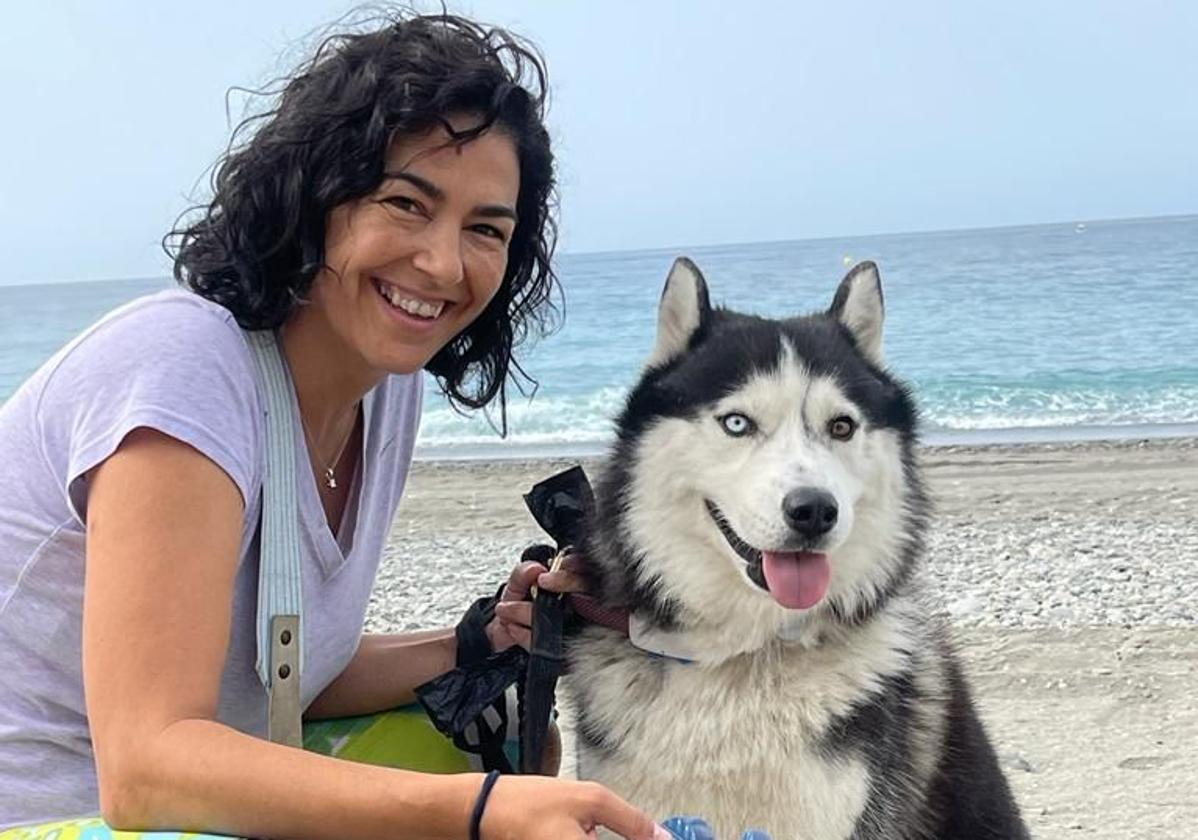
[(881, 234), (667, 248)]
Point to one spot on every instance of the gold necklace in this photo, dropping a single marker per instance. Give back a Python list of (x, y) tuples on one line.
[(330, 472)]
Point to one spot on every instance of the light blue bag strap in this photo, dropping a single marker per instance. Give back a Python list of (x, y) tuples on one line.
[(280, 595)]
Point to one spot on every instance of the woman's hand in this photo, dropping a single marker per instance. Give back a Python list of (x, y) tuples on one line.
[(512, 624), (540, 808)]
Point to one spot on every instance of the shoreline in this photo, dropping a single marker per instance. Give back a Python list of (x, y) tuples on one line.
[(1017, 436)]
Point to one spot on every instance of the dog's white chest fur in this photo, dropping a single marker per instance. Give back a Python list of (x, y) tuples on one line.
[(738, 744)]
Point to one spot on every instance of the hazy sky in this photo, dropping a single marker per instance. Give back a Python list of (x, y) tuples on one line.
[(677, 123)]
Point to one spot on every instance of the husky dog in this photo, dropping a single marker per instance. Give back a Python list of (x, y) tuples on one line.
[(761, 520)]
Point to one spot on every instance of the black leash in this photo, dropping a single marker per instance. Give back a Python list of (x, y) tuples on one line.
[(458, 702), (560, 505)]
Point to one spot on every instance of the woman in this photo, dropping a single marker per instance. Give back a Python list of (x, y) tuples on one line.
[(393, 214)]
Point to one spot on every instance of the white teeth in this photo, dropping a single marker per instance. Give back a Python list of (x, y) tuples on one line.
[(413, 306)]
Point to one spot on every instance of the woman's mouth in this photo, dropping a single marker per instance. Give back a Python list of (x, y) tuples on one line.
[(409, 304)]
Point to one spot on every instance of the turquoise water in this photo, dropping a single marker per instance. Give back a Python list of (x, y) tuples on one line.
[(1062, 331)]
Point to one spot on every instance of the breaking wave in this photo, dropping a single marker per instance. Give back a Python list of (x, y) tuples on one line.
[(946, 406)]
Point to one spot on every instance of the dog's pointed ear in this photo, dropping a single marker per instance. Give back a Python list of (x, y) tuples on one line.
[(684, 307), (858, 305)]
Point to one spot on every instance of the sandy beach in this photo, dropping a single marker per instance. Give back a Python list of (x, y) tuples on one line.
[(1069, 570)]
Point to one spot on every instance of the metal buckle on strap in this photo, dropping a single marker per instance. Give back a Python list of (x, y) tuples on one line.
[(283, 717), (555, 564)]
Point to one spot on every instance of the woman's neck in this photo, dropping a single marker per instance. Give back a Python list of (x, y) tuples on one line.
[(330, 380)]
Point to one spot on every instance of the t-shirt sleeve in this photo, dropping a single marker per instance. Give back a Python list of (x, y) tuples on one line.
[(173, 364)]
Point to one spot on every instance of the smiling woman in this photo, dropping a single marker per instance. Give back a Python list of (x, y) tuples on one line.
[(392, 213), (372, 120), (414, 264)]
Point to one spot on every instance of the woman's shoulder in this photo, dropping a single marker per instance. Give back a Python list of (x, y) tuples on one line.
[(171, 317), (170, 336), (143, 332), (171, 361)]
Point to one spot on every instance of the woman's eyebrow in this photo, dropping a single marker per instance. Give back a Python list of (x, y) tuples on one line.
[(427, 187), (491, 211), (496, 211)]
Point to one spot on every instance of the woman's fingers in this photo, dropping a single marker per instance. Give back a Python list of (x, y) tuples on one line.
[(519, 636), (512, 625), (562, 581), (521, 580), (630, 822), (569, 577), (515, 612), (543, 808)]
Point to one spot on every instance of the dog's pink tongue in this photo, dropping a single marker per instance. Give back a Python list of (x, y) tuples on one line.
[(797, 579)]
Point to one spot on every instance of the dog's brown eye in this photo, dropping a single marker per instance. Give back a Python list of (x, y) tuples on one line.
[(842, 428)]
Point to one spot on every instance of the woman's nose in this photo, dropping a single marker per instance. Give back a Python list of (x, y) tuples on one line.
[(439, 253)]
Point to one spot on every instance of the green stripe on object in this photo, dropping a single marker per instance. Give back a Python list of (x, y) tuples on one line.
[(93, 828)]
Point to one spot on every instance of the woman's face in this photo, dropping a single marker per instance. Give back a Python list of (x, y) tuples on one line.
[(412, 265)]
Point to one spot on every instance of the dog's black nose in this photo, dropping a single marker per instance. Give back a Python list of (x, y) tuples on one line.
[(810, 512)]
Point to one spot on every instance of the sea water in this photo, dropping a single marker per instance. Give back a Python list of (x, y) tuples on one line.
[(1063, 331)]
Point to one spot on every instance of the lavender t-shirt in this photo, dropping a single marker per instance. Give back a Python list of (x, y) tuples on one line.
[(179, 364)]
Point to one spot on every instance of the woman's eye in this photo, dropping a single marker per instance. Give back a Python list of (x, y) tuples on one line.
[(736, 424), (404, 203), (490, 231), (842, 428)]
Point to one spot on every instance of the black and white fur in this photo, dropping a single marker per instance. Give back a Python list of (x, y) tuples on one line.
[(849, 719)]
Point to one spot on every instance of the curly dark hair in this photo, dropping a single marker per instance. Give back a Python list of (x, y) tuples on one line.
[(256, 247)]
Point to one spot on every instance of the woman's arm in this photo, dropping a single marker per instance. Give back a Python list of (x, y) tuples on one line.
[(386, 669), (384, 673), (163, 533)]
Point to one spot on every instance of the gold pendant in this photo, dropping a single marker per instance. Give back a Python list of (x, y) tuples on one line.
[(330, 480)]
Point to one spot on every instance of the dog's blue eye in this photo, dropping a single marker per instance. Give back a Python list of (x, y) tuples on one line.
[(737, 425)]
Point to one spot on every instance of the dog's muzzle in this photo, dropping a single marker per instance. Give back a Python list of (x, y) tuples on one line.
[(796, 577), (746, 552)]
